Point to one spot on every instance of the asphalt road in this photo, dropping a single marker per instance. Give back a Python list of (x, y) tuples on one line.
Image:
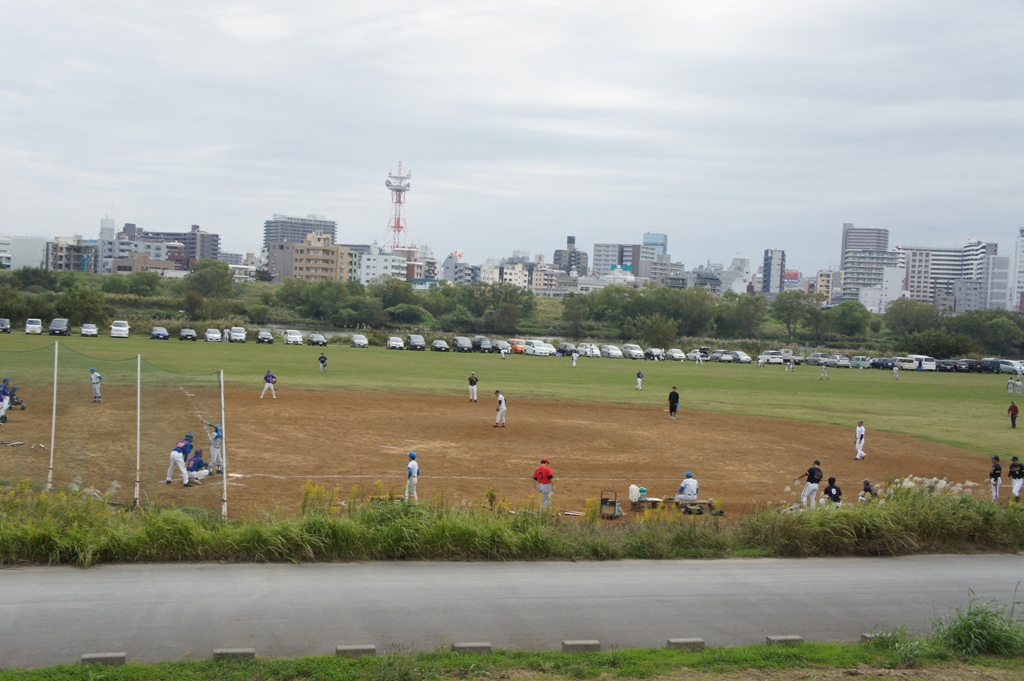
[(170, 612)]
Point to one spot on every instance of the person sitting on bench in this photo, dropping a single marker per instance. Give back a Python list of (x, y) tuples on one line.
[(688, 488)]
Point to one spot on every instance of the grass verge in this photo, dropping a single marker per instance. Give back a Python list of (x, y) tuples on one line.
[(64, 528)]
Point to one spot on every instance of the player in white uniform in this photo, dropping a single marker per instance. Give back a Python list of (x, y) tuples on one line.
[(1010, 386), (412, 476), (95, 378), (688, 489), (639, 380), (499, 419), (860, 441), (895, 372)]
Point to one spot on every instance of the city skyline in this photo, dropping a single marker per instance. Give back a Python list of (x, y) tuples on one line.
[(762, 124)]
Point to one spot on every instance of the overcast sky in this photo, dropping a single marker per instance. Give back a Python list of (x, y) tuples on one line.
[(732, 126)]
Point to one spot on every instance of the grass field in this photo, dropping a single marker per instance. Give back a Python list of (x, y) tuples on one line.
[(963, 410)]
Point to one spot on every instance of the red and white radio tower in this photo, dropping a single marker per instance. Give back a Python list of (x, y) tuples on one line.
[(397, 229)]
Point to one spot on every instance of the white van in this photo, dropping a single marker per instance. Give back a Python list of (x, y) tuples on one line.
[(905, 363), (34, 326), (119, 329), (236, 335), (537, 347), (927, 363)]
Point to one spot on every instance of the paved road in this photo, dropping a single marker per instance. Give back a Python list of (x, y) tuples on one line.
[(170, 612)]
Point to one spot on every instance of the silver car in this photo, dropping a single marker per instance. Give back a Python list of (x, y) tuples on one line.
[(612, 351)]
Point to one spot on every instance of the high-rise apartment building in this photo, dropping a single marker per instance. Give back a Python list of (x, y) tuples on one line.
[(865, 269), (658, 241), (608, 257), (932, 271), (1018, 272), (293, 229), (199, 244), (315, 259), (862, 239), (570, 259), (773, 272)]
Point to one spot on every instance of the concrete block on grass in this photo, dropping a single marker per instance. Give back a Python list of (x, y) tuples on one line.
[(234, 654), (690, 644), (784, 640), (581, 646), (479, 648), (355, 651), (109, 659), (867, 638)]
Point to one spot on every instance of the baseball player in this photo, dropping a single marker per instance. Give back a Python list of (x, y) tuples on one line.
[(868, 493), (499, 420), (1016, 475), (95, 378), (1019, 385), (1013, 411), (688, 488), (178, 454), (412, 476), (216, 458), (473, 380), (197, 468), (639, 380), (895, 372), (5, 399), (575, 355), (323, 363), (268, 384), (543, 476), (810, 493), (833, 493), (859, 441), (995, 478), (1010, 384), (824, 373), (673, 403)]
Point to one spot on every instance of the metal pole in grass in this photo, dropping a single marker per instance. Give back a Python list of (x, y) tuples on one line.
[(53, 417), (223, 455), (138, 424)]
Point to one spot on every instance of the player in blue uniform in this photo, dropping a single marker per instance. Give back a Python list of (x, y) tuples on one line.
[(216, 458), (178, 454), (268, 384), (412, 477), (5, 399), (197, 468)]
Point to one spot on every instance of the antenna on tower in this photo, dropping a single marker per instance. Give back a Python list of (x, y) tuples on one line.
[(398, 185)]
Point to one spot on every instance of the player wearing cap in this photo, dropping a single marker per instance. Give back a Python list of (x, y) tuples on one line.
[(859, 441), (543, 476), (833, 493), (473, 380), (639, 380), (412, 476), (197, 468), (810, 493), (268, 384), (1016, 475), (95, 378), (995, 478), (5, 399), (673, 403), (216, 458), (499, 420), (323, 363), (178, 454), (688, 488), (867, 493)]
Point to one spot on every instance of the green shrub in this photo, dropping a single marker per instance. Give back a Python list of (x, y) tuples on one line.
[(982, 628)]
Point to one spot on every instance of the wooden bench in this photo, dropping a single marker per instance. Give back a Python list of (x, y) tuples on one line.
[(644, 504)]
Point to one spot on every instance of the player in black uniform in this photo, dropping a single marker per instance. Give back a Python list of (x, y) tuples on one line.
[(810, 493), (834, 494), (995, 478), (473, 380), (323, 363), (673, 403), (1016, 475)]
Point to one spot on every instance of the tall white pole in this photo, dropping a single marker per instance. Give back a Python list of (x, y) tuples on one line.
[(53, 417), (223, 455), (138, 424)]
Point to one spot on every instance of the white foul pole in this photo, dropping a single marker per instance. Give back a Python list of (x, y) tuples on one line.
[(138, 424), (53, 417), (223, 455)]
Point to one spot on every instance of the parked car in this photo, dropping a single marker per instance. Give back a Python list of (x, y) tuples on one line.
[(292, 337), (119, 329), (265, 336), (159, 333), (860, 362), (188, 334), (5, 325), (1006, 366), (518, 345), (501, 345), (236, 335), (537, 347), (552, 350), (440, 346), (416, 342), (358, 340), (675, 354), (566, 348), (632, 351), (612, 352), (988, 365), (34, 326), (881, 363), (462, 344), (949, 365), (395, 343), (969, 365), (905, 363), (212, 336), (741, 357), (717, 355), (817, 358), (316, 339), (654, 354), (482, 344), (771, 357), (90, 330), (588, 350), (838, 361), (60, 327), (694, 355)]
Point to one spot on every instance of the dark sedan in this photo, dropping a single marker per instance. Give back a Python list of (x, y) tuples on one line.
[(947, 365), (188, 334), (316, 339), (882, 363), (159, 333)]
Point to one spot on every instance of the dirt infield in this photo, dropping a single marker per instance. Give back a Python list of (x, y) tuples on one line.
[(345, 439)]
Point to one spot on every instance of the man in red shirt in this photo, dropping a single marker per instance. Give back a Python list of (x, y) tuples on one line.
[(1013, 411), (543, 476)]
